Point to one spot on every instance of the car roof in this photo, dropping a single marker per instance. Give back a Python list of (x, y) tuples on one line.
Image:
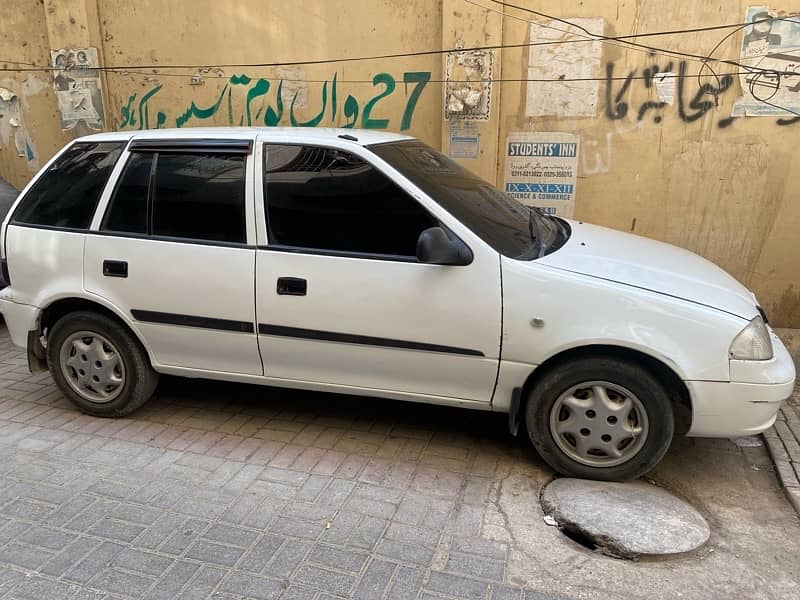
[(295, 135)]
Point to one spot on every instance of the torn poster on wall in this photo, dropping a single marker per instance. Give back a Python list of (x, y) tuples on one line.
[(555, 69), (542, 170), (771, 46), (465, 140), (468, 90), (11, 125), (77, 86)]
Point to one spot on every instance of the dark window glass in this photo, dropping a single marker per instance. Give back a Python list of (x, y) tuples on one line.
[(199, 196), (127, 211), (327, 199), (511, 228), (67, 194)]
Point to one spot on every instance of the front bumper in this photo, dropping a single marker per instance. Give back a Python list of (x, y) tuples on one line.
[(747, 405)]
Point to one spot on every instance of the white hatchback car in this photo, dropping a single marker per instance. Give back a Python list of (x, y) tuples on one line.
[(368, 263)]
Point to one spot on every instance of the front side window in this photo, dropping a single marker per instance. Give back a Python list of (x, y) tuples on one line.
[(331, 200), (198, 196), (509, 227), (66, 195)]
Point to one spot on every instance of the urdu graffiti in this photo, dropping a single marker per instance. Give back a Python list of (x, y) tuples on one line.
[(247, 101), (693, 95)]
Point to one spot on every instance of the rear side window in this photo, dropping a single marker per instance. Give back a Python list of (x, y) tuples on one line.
[(199, 196), (192, 195), (66, 195)]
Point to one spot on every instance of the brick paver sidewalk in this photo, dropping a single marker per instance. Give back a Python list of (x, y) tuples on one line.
[(239, 497)]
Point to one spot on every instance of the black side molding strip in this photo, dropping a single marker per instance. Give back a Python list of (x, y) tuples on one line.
[(365, 340), (162, 318)]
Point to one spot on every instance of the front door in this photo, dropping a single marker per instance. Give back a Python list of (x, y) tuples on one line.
[(341, 298), (172, 253)]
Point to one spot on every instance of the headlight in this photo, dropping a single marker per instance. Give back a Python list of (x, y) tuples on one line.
[(753, 342)]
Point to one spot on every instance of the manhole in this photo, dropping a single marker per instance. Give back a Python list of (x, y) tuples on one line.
[(624, 520)]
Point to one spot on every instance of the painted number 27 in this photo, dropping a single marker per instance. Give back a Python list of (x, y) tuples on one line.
[(421, 79)]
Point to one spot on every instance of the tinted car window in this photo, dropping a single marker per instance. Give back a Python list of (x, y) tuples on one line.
[(127, 211), (329, 199), (199, 196), (511, 228), (66, 195)]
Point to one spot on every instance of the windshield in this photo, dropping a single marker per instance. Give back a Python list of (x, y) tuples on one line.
[(511, 228)]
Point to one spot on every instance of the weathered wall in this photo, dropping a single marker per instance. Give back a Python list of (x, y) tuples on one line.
[(684, 173)]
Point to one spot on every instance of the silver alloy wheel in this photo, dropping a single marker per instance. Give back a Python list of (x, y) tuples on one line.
[(92, 366), (599, 424)]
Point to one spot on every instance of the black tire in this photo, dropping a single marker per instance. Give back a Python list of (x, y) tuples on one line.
[(140, 379), (640, 381)]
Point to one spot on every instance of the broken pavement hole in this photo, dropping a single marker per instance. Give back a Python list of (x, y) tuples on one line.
[(579, 537)]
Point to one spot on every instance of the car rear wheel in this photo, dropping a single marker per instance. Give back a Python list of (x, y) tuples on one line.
[(98, 365), (600, 418)]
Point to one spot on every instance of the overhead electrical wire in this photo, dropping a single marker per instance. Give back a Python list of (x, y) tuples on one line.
[(589, 36)]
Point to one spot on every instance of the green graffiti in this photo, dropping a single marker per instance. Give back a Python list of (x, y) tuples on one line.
[(253, 106), (200, 113)]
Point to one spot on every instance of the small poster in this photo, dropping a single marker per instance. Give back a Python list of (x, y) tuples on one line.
[(542, 170), (770, 55), (465, 141), (77, 86)]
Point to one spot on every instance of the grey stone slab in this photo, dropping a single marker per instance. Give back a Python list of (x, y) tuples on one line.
[(216, 554), (147, 563), (257, 557), (408, 553), (97, 560), (501, 592), (243, 585), (47, 537), (287, 560), (375, 580), (234, 536), (475, 566), (170, 585), (407, 584), (367, 533), (325, 580), (455, 585), (22, 555), (626, 519), (480, 547), (116, 530), (121, 583), (337, 558)]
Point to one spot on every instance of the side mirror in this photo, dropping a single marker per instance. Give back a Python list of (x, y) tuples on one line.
[(439, 247)]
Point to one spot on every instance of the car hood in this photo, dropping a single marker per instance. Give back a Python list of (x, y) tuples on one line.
[(644, 263)]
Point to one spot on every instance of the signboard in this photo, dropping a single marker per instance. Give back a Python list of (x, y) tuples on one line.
[(542, 170)]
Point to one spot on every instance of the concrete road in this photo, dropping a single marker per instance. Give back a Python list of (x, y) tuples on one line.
[(231, 491)]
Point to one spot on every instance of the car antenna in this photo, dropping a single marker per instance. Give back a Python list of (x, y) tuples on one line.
[(347, 136)]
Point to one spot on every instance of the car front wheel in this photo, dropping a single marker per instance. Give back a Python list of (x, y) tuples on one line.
[(98, 365), (600, 418)]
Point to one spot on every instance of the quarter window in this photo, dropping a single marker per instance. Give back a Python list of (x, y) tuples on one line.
[(66, 195), (328, 199), (127, 212)]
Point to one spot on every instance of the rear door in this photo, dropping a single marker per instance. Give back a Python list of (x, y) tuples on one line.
[(174, 249)]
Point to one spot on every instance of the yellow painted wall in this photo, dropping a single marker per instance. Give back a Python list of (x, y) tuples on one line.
[(727, 192)]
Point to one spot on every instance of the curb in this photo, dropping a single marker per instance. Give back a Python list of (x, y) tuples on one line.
[(783, 442)]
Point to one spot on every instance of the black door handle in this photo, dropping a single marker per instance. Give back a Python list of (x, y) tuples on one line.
[(115, 268), (292, 286)]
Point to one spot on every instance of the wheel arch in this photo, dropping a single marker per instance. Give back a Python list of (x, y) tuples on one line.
[(673, 384), (64, 305)]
